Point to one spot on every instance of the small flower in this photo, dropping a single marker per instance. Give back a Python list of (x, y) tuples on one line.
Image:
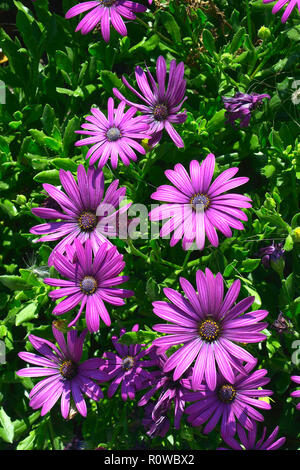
[(162, 105), (271, 254), (196, 206), (66, 377), (230, 402), (155, 427), (90, 282), (76, 444), (241, 105), (171, 392), (296, 393), (296, 235), (291, 4), (105, 12), (248, 442), (209, 328), (282, 325), (115, 137), (126, 368), (85, 213)]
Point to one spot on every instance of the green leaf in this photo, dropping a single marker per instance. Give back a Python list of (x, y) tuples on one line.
[(48, 176), (14, 282), (27, 313), (20, 426), (170, 25), (294, 33), (28, 442), (48, 118), (208, 41), (110, 80), (250, 265), (65, 164), (63, 62), (237, 39), (137, 337), (7, 430), (69, 135), (216, 122), (289, 243)]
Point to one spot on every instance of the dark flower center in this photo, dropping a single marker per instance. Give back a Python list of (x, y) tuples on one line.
[(209, 330), (199, 202), (227, 393), (87, 221), (160, 112), (113, 134), (68, 369), (88, 285), (107, 3), (127, 362)]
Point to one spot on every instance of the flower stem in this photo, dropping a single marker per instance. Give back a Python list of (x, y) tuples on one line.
[(249, 20), (51, 433), (162, 36)]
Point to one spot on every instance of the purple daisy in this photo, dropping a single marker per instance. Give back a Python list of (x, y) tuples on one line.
[(66, 377), (162, 105), (91, 282), (196, 206), (171, 391), (115, 137), (85, 213), (291, 4), (248, 441), (105, 12), (208, 327), (271, 254), (241, 105), (230, 402), (296, 393), (155, 427), (126, 368)]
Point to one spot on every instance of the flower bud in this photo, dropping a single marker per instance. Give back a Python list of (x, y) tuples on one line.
[(264, 33), (21, 199), (296, 235)]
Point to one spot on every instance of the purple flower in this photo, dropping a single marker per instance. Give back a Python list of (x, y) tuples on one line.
[(296, 393), (126, 368), (115, 137), (66, 377), (282, 325), (291, 4), (230, 402), (241, 105), (208, 327), (162, 105), (248, 442), (171, 391), (271, 254), (105, 12), (155, 427), (197, 207), (83, 210), (91, 282)]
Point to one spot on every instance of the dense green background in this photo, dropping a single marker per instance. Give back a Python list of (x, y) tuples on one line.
[(53, 76)]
